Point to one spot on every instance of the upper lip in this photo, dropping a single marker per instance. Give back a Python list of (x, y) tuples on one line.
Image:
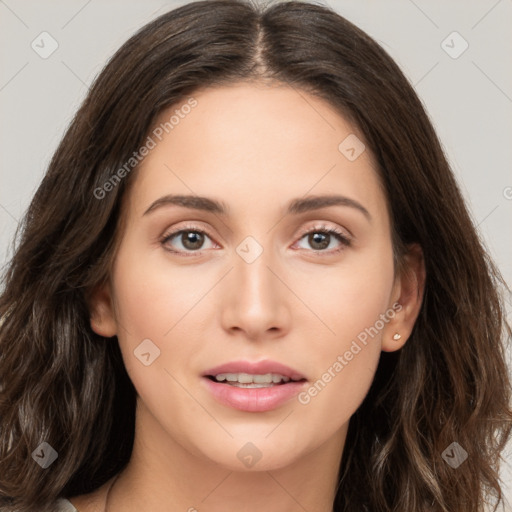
[(255, 368)]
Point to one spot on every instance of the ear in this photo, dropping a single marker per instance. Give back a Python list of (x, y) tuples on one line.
[(103, 321), (407, 298)]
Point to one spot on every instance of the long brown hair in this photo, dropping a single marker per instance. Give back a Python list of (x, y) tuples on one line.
[(63, 384)]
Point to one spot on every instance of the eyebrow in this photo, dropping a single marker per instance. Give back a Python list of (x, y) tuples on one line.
[(295, 206)]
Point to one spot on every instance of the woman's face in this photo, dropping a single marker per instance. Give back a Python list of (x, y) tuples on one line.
[(256, 282)]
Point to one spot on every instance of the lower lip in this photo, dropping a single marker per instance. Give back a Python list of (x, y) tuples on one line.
[(253, 399)]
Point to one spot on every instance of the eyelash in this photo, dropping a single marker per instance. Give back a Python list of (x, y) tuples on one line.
[(339, 235)]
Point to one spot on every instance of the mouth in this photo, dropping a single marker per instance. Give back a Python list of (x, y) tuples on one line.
[(253, 387), (251, 381)]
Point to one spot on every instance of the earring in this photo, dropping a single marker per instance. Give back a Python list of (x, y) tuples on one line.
[(396, 337)]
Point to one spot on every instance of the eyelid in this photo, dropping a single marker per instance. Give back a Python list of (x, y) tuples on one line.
[(322, 226)]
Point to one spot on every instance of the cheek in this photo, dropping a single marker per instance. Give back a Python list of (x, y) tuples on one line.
[(351, 303), (153, 296), (348, 298), (165, 303), (343, 364), (148, 304), (150, 311)]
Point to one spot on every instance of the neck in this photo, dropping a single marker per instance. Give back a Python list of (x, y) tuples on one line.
[(107, 499)]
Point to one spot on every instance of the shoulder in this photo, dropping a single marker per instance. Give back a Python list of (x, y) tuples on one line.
[(60, 505), (64, 505), (92, 502)]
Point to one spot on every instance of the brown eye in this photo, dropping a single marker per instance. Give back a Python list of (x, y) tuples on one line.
[(185, 240), (192, 239), (320, 239)]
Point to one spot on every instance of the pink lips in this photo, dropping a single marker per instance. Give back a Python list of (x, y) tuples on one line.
[(254, 399)]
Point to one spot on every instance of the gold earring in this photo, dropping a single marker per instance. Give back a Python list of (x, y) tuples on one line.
[(396, 337)]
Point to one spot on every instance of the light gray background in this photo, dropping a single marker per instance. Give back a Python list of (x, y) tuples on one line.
[(469, 98)]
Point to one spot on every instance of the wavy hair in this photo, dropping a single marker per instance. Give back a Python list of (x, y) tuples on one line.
[(63, 384)]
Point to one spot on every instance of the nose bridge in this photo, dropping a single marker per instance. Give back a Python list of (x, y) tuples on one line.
[(257, 298), (258, 286)]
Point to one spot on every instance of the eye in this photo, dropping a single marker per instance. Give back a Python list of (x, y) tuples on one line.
[(320, 238), (191, 239)]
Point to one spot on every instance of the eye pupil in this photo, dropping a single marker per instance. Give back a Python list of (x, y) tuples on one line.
[(192, 239), (323, 241)]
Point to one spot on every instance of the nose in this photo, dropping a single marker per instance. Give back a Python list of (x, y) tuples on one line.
[(257, 301)]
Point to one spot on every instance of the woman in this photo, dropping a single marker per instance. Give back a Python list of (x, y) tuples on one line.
[(249, 281)]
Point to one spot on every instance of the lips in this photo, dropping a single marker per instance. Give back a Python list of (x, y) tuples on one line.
[(253, 399), (255, 368)]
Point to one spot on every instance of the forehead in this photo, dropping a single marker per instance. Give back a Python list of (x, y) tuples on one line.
[(249, 142)]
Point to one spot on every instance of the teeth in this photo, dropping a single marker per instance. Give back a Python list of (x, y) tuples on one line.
[(246, 378)]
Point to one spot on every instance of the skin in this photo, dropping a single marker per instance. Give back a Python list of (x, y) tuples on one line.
[(255, 147)]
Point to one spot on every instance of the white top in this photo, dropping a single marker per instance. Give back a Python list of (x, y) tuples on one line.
[(61, 504), (64, 505)]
